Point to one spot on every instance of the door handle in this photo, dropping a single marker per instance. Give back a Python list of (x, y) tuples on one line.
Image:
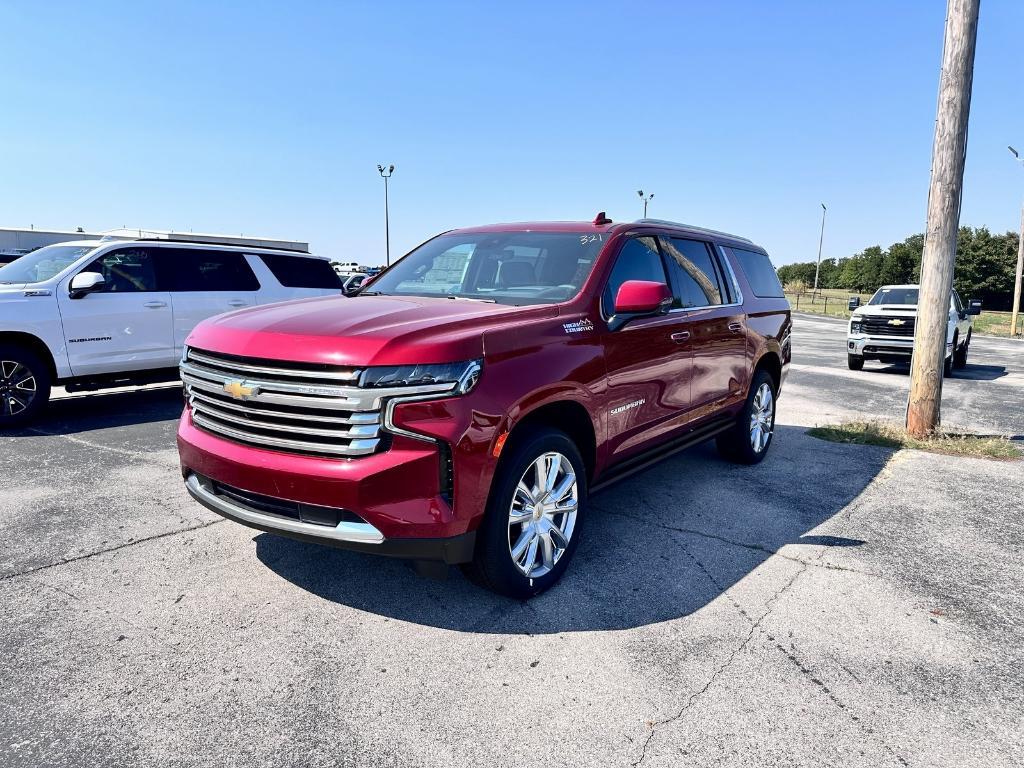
[(736, 327), (680, 337), (155, 304), (237, 303)]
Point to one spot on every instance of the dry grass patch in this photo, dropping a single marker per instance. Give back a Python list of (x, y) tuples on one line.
[(891, 436)]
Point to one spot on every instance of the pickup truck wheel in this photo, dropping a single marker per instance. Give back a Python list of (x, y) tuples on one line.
[(855, 362), (532, 523), (24, 385), (950, 362), (960, 355), (748, 440)]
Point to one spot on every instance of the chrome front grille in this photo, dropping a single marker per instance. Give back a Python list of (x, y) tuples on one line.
[(880, 325), (314, 410), (308, 409)]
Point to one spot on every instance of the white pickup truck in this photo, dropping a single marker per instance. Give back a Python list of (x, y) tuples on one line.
[(883, 329), (93, 314)]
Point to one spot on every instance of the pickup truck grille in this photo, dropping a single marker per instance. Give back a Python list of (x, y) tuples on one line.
[(879, 325), (309, 409)]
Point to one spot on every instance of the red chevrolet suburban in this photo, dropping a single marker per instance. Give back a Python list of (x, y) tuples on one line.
[(460, 408)]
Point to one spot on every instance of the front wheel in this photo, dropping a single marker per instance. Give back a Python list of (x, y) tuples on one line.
[(747, 441), (531, 527), (24, 385), (854, 362), (960, 355)]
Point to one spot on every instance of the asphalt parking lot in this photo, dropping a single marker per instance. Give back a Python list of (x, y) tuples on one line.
[(835, 605)]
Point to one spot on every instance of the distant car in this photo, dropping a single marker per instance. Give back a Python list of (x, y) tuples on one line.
[(883, 329), (92, 314), (346, 267), (353, 283)]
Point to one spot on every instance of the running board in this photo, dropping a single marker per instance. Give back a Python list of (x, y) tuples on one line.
[(649, 458)]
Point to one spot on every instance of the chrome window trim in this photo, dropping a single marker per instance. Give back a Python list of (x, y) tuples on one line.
[(723, 259)]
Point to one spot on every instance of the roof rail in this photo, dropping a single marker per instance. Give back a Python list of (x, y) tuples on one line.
[(692, 228), (208, 239)]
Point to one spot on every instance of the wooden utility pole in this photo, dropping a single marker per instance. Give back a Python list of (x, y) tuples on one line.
[(948, 154)]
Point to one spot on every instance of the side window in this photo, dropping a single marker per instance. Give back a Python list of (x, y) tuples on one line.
[(301, 271), (203, 270), (694, 273), (126, 270), (761, 275), (638, 260)]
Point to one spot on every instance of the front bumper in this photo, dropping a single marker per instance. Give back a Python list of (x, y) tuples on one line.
[(873, 347), (355, 535), (396, 495)]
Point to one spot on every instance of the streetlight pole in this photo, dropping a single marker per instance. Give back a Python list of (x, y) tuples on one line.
[(646, 199), (821, 239), (387, 223), (1020, 263)]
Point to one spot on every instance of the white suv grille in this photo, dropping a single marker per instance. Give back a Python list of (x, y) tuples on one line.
[(312, 409)]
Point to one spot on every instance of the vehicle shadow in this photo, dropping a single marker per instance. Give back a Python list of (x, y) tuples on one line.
[(73, 414), (655, 547), (973, 371)]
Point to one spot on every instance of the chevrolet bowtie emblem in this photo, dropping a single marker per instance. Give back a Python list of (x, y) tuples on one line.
[(897, 321), (240, 390)]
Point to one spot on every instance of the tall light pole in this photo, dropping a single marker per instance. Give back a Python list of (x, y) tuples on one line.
[(387, 223), (1020, 263), (821, 239), (646, 199)]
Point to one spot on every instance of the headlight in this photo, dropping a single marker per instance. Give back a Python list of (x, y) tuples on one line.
[(464, 375), (855, 324)]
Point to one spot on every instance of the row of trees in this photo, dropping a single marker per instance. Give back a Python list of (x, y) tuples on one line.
[(985, 265)]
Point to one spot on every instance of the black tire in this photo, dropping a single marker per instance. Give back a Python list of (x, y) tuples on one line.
[(949, 363), (736, 444), (21, 368), (855, 362), (960, 354), (493, 566)]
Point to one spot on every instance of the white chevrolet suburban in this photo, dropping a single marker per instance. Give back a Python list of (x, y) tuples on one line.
[(883, 329), (93, 314)]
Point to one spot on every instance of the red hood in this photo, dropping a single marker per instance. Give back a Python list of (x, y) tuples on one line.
[(367, 330)]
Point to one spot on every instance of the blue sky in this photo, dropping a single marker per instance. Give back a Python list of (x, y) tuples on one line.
[(270, 119)]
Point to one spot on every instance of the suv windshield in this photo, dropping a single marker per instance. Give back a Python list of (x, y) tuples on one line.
[(895, 296), (504, 267), (42, 264)]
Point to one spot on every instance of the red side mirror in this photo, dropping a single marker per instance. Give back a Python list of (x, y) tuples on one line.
[(642, 297)]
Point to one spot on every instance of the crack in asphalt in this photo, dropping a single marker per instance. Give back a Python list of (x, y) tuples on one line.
[(769, 607), (86, 556), (733, 542), (807, 672)]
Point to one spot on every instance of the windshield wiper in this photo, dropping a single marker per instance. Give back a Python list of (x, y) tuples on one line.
[(471, 298), (371, 293)]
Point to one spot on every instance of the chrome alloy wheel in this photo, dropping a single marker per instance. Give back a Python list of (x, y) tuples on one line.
[(543, 514), (762, 417), (17, 387)]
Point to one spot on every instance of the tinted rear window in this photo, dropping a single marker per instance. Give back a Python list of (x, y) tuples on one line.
[(301, 272), (202, 270), (761, 275)]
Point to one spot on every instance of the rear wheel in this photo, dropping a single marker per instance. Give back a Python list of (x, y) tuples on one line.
[(531, 527), (24, 385), (855, 362), (748, 440)]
